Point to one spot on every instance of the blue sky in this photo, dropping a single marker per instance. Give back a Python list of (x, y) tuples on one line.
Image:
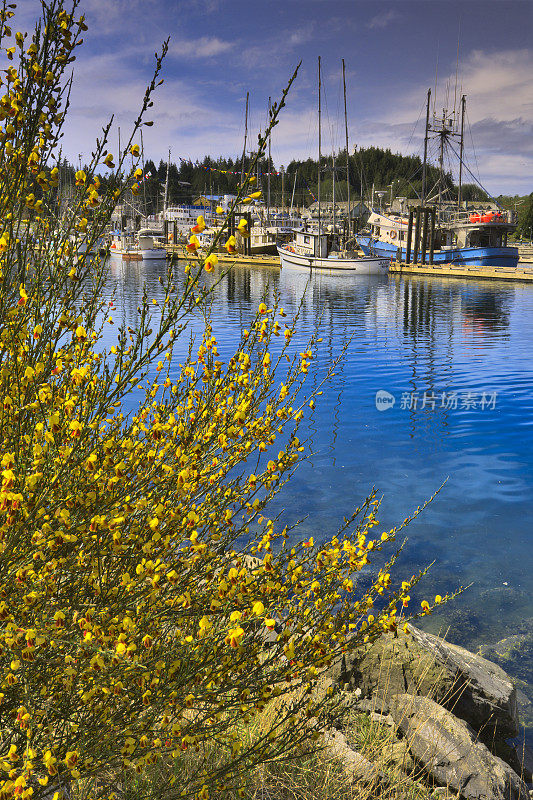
[(220, 49)]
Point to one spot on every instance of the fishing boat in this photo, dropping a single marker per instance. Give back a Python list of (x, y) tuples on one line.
[(326, 249), (461, 236), (145, 246), (317, 251)]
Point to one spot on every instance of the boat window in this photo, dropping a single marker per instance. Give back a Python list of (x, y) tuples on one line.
[(307, 239)]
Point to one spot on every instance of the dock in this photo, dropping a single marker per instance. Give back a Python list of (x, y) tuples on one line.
[(225, 258), (460, 271)]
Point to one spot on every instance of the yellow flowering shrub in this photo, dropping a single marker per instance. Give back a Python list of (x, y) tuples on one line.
[(147, 603)]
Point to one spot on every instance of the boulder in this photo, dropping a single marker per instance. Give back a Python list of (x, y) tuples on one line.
[(357, 766), (450, 752), (419, 663)]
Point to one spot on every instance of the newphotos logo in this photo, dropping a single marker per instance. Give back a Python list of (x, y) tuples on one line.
[(430, 400), (384, 400)]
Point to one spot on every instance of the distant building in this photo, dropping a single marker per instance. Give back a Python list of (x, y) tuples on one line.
[(358, 211), (401, 205)]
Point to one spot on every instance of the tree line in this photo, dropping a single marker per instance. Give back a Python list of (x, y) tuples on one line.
[(371, 167)]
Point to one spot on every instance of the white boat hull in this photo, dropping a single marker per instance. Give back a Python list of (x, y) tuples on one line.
[(158, 253), (364, 265)]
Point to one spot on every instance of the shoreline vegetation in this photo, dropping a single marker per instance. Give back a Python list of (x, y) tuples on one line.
[(151, 612)]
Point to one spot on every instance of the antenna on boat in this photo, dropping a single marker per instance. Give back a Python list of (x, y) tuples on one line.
[(436, 78), (457, 69), (347, 151), (245, 136), (319, 138)]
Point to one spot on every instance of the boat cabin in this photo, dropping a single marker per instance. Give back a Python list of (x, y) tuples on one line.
[(311, 243)]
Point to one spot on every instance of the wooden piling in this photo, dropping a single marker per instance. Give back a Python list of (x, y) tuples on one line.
[(409, 236)]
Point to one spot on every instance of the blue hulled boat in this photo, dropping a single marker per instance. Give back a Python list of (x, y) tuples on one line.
[(466, 238)]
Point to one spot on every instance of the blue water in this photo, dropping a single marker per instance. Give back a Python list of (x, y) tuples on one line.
[(408, 336)]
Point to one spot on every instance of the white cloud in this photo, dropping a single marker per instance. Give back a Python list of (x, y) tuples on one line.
[(204, 47), (383, 19)]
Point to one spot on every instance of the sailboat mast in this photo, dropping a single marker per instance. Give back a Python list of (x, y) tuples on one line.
[(293, 191), (461, 146), (319, 140), (166, 187), (425, 164), (269, 163), (333, 197), (245, 136), (144, 177), (349, 216)]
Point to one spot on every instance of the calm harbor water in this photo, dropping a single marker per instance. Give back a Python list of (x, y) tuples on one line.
[(451, 362)]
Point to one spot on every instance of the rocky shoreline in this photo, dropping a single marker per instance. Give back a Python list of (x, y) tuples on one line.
[(449, 712)]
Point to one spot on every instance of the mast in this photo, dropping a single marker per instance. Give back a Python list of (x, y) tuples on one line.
[(424, 165), (144, 178), (293, 191), (245, 136), (442, 134), (461, 145), (319, 139), (333, 194), (166, 187), (269, 165), (282, 188), (347, 153)]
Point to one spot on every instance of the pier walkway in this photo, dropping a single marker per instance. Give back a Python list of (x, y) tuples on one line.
[(520, 273)]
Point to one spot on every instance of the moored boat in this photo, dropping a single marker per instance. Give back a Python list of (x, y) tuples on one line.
[(461, 237), (316, 251), (143, 247)]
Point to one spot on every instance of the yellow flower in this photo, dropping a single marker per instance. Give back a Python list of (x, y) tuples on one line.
[(71, 758), (200, 225), (81, 177), (108, 161), (258, 608), (134, 150), (210, 262), (231, 244), (193, 244), (220, 210), (262, 308), (242, 227)]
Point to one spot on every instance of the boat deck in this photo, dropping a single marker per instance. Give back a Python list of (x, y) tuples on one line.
[(474, 272)]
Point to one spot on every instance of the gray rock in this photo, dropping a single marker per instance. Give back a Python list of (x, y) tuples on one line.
[(450, 752), (484, 694), (382, 719), (356, 765), (421, 664)]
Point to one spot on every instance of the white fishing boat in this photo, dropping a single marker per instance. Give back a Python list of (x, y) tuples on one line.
[(319, 249), (315, 251), (145, 246)]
